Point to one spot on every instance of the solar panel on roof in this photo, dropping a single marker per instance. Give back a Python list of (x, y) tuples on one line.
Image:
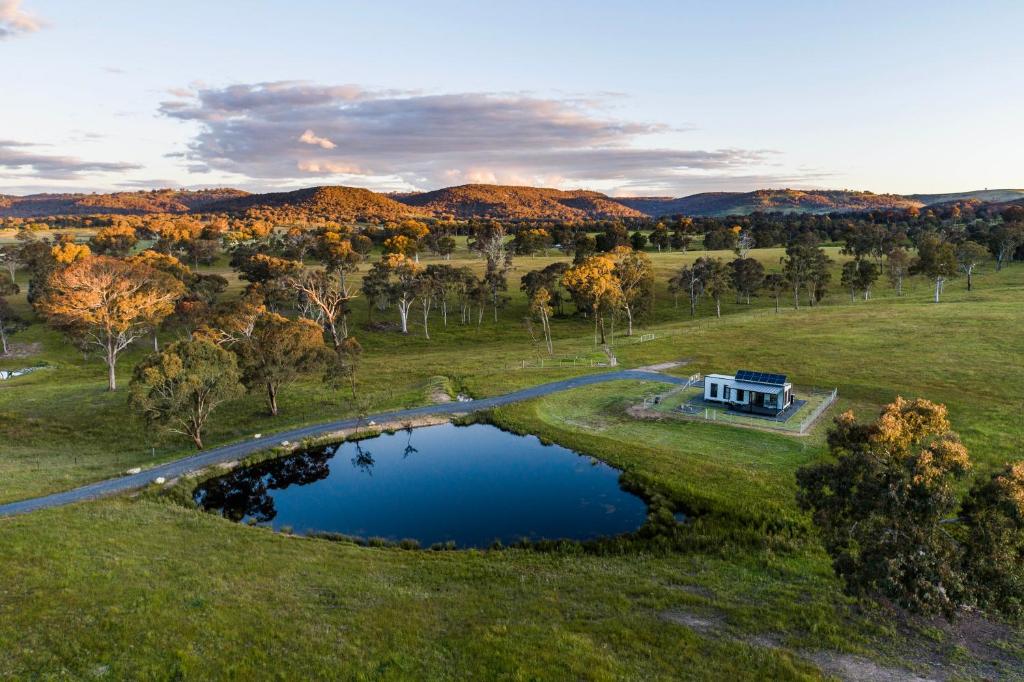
[(761, 377)]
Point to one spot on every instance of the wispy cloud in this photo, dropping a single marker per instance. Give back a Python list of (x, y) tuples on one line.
[(294, 130), (309, 137), (23, 160), (14, 20)]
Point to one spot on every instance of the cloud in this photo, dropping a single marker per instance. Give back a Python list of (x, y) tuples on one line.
[(309, 137), (14, 20), (22, 158), (265, 131)]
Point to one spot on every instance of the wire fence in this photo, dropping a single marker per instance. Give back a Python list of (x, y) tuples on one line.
[(694, 409), (565, 361), (810, 419)]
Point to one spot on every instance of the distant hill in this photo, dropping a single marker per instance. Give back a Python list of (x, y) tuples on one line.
[(335, 202), (986, 195), (509, 202), (121, 203), (503, 202), (770, 200)]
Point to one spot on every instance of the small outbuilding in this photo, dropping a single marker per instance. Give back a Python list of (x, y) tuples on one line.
[(753, 392)]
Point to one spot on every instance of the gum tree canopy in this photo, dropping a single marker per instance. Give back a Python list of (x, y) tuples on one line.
[(891, 517), (108, 303)]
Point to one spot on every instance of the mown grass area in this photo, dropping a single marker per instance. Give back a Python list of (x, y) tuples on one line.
[(143, 588), (147, 590)]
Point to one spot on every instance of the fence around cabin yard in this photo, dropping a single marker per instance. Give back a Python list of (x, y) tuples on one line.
[(684, 402), (810, 419)]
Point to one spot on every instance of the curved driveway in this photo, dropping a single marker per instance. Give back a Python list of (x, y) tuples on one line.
[(235, 451)]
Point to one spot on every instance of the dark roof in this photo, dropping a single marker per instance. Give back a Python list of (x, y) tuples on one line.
[(761, 377)]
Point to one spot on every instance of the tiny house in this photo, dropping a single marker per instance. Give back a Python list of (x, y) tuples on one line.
[(753, 392)]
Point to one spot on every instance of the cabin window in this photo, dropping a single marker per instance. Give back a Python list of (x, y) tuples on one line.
[(714, 390), (727, 393), (739, 394)]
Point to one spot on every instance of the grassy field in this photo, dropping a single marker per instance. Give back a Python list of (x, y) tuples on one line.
[(143, 588)]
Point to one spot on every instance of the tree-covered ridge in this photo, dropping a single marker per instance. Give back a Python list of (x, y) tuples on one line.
[(120, 203), (331, 202), (507, 202), (500, 202)]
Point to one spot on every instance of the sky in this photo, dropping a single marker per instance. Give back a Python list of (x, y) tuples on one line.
[(641, 98)]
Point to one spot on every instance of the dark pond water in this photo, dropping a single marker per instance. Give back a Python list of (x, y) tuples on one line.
[(471, 485)]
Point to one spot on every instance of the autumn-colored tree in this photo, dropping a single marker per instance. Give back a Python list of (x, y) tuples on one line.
[(327, 300), (338, 256), (277, 352), (116, 240), (402, 284), (969, 256), (529, 241), (415, 232), (179, 388), (887, 511), (233, 322), (66, 252), (635, 275), (401, 245), (541, 309), (594, 287), (936, 258), (108, 303)]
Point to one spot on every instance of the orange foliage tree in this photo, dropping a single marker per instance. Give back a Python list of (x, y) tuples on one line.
[(108, 303), (891, 517), (594, 286)]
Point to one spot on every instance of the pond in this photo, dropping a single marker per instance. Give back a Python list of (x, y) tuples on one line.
[(470, 485)]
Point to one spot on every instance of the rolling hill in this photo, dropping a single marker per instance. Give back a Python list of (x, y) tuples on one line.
[(120, 203), (986, 195), (508, 202), (503, 202), (770, 200), (334, 202)]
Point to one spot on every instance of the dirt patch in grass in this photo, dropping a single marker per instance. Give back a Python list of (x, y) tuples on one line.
[(439, 395), (21, 350), (977, 635), (859, 669), (703, 624), (662, 366)]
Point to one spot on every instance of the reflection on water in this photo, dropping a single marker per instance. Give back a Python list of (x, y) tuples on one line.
[(471, 485)]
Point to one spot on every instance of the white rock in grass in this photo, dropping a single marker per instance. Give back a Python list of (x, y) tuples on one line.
[(159, 480), (134, 470), (257, 435), (285, 443)]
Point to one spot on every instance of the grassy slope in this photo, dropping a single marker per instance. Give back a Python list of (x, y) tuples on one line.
[(148, 588)]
